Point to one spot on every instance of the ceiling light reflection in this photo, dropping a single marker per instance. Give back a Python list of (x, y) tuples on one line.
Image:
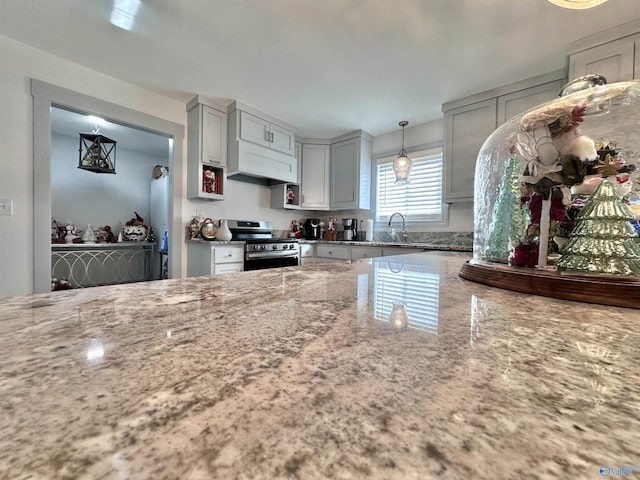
[(96, 120), (95, 353), (123, 13)]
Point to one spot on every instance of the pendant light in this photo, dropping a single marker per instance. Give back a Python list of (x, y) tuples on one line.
[(577, 4), (97, 152), (402, 164)]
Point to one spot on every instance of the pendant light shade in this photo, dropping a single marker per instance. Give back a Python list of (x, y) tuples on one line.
[(402, 165), (398, 317), (577, 4)]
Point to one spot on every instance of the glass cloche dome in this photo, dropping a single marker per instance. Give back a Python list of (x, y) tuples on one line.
[(557, 197)]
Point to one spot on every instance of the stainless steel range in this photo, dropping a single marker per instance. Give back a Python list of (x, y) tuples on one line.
[(262, 250)]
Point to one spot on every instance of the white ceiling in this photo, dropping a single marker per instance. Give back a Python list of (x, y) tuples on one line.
[(328, 66), (72, 124)]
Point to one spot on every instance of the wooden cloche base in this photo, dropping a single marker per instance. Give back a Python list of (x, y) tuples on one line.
[(601, 289)]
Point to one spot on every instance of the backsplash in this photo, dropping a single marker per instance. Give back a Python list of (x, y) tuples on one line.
[(457, 239), (462, 239)]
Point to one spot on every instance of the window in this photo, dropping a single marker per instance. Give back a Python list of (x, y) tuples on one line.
[(421, 199)]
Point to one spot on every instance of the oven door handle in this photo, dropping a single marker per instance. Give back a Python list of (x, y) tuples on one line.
[(271, 254)]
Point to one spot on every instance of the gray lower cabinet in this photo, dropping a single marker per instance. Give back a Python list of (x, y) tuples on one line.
[(209, 258), (307, 253), (336, 252)]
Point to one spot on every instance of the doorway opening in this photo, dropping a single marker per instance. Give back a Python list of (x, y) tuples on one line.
[(93, 213), (55, 105)]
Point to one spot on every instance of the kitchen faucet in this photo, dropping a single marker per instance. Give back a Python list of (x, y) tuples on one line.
[(404, 234)]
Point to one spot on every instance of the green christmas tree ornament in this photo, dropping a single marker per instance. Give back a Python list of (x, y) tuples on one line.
[(603, 239), (508, 221)]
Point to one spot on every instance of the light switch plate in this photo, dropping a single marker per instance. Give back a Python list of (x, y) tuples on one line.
[(6, 206)]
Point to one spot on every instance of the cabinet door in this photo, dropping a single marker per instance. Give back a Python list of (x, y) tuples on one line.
[(206, 152), (214, 136), (298, 154), (254, 129), (315, 176), (518, 102), (282, 139), (344, 173), (466, 128), (307, 250), (199, 259), (613, 60)]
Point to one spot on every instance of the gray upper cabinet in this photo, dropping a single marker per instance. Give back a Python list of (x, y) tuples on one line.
[(613, 53), (515, 103), (466, 128), (350, 184), (206, 149), (315, 176), (260, 146), (207, 131), (262, 132), (468, 122)]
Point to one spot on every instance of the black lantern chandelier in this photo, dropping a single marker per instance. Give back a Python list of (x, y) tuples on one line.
[(97, 152)]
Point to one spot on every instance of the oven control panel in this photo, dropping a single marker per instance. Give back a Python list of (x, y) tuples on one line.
[(262, 247)]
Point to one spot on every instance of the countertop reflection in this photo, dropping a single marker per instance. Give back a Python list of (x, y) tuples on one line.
[(391, 367)]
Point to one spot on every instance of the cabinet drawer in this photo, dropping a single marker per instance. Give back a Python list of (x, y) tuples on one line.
[(333, 251), (221, 268), (365, 252), (228, 254), (306, 250)]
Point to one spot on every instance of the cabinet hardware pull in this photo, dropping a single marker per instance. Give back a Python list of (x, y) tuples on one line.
[(266, 136), (271, 137)]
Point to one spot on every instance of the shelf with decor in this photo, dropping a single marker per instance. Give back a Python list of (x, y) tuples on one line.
[(286, 195), (209, 183)]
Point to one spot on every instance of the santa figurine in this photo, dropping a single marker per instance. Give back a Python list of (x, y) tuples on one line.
[(290, 196)]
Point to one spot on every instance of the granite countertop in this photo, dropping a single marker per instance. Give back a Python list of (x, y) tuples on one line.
[(299, 373)]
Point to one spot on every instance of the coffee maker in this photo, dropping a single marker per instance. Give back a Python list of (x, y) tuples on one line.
[(312, 228), (350, 228)]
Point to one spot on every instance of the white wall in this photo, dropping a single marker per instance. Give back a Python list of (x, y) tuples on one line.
[(460, 214), (20, 63), (244, 201), (81, 197)]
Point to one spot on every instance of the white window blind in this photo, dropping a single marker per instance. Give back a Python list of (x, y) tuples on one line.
[(414, 287), (421, 199)]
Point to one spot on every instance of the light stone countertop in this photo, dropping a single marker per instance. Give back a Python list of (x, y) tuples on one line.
[(298, 373)]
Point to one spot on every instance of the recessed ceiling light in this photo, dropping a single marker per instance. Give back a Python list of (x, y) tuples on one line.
[(577, 4), (96, 120)]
